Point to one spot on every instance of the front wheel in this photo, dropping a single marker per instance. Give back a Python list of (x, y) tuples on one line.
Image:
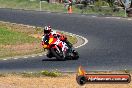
[(49, 54), (58, 55)]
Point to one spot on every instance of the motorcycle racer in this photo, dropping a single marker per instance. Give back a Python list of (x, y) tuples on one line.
[(51, 38), (49, 33)]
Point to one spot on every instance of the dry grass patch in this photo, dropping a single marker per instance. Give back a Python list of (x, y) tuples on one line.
[(23, 49), (65, 81)]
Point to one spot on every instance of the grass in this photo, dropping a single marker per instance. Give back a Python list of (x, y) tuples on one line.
[(14, 43), (30, 5), (57, 7), (17, 40), (8, 37), (52, 74)]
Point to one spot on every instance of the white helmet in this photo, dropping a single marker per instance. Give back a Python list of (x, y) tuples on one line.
[(47, 29)]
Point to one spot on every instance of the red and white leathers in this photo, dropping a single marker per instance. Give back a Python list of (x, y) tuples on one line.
[(56, 35), (49, 39)]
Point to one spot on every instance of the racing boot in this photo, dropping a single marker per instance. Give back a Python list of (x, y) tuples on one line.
[(69, 46)]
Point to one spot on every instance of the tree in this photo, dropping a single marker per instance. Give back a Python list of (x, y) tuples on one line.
[(122, 3), (129, 9)]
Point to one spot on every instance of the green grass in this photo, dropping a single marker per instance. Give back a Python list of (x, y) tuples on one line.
[(8, 37), (52, 73), (14, 43), (72, 39)]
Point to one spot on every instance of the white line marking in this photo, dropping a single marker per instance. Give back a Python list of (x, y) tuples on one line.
[(85, 42), (40, 55), (4, 59), (129, 19), (25, 57), (15, 58), (118, 18), (48, 12), (94, 16), (33, 56), (107, 17)]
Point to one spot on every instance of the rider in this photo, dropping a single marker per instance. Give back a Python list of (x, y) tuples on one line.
[(49, 33), (45, 37)]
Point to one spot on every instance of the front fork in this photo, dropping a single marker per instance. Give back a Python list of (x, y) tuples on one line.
[(57, 48)]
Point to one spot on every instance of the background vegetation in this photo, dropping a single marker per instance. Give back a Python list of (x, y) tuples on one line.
[(78, 7)]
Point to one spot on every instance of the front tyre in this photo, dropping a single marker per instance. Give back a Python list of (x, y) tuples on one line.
[(49, 54), (58, 56)]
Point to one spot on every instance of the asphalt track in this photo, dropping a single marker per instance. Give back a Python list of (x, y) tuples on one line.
[(109, 46)]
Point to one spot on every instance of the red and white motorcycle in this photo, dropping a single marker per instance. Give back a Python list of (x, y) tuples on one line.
[(60, 50)]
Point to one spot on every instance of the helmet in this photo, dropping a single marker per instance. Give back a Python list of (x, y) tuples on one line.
[(47, 29)]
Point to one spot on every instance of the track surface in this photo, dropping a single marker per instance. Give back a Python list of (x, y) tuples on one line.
[(109, 46)]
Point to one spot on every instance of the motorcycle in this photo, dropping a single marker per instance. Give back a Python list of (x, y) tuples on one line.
[(59, 49)]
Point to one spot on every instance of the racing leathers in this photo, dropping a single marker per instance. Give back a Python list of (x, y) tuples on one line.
[(45, 38)]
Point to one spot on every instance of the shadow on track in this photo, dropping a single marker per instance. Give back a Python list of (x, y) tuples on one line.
[(50, 60), (54, 59)]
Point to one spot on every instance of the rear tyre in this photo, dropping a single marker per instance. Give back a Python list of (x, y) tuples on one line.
[(75, 55)]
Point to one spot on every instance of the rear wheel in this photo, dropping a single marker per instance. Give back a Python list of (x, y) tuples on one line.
[(75, 55)]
